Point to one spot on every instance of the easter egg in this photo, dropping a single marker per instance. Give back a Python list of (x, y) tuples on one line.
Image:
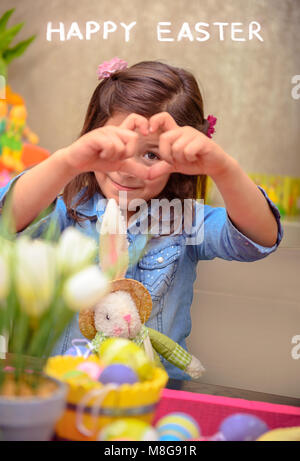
[(118, 373), (242, 427), (128, 429), (121, 350), (74, 374), (177, 426), (284, 434), (91, 369)]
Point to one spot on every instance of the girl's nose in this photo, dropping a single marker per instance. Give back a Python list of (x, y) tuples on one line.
[(127, 318)]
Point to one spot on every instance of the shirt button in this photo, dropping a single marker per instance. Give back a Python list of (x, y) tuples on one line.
[(160, 259)]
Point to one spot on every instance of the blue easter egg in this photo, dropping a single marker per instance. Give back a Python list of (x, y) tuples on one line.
[(118, 373), (242, 427)]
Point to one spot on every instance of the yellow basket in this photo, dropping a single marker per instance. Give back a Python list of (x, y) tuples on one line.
[(91, 405)]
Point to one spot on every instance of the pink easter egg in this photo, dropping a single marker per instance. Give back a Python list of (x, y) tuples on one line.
[(91, 369)]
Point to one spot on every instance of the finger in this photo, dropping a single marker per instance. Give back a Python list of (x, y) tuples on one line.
[(159, 169), (165, 144), (104, 145), (163, 121), (130, 140), (178, 149), (119, 148), (192, 150), (136, 121), (137, 169)]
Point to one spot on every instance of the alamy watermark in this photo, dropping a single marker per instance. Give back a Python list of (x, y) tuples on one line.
[(167, 217), (295, 92), (295, 352)]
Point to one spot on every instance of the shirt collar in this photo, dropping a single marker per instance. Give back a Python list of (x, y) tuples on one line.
[(96, 205)]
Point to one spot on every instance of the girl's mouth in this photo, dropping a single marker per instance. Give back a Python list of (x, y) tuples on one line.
[(120, 187)]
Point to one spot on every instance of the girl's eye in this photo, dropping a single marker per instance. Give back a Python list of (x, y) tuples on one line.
[(107, 317), (152, 156)]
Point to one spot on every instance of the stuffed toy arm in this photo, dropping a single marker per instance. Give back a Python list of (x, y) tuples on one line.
[(175, 354)]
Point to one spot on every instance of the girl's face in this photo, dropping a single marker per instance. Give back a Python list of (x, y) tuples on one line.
[(147, 154)]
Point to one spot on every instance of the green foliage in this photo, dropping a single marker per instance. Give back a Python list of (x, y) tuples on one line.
[(6, 37), (5, 18), (18, 50)]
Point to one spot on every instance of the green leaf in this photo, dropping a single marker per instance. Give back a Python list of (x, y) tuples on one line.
[(3, 68), (5, 18), (18, 50), (7, 36)]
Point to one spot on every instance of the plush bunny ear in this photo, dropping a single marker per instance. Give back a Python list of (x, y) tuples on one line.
[(113, 244)]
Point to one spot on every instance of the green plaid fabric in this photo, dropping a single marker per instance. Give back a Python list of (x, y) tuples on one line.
[(180, 357)]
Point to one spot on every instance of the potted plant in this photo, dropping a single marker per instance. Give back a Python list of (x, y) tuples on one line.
[(43, 282)]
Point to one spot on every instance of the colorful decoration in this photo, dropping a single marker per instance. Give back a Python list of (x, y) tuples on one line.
[(118, 374), (92, 405), (14, 130), (178, 427), (240, 427), (284, 191), (123, 351), (211, 123), (128, 429), (107, 68), (91, 369), (285, 434), (11, 140), (74, 374)]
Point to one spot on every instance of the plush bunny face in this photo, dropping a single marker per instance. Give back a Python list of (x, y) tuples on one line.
[(117, 315)]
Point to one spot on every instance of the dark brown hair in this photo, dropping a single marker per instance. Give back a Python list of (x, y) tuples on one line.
[(145, 88)]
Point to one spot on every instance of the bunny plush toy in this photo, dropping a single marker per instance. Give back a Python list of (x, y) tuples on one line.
[(124, 311)]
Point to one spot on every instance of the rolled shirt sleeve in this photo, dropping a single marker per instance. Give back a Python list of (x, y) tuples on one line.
[(223, 240), (57, 211)]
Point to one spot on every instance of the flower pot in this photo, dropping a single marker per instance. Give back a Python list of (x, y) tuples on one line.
[(30, 417)]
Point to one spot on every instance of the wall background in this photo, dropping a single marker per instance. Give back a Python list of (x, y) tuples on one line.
[(243, 316), (246, 85)]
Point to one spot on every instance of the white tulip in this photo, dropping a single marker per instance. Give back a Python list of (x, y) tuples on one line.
[(75, 251), (35, 275), (86, 288), (4, 278)]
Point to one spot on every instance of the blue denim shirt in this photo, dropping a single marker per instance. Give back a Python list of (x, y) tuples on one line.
[(168, 268)]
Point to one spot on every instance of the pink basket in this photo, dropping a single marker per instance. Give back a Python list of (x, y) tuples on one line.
[(209, 410)]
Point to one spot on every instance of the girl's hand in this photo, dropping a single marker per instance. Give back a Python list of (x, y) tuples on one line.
[(185, 149), (109, 148)]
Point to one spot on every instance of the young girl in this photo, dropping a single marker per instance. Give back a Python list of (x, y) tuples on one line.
[(145, 134)]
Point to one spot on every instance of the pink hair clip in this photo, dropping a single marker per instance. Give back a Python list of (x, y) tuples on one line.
[(107, 68), (211, 121)]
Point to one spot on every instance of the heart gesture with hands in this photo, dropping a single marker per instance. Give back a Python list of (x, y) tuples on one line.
[(113, 146), (184, 149)]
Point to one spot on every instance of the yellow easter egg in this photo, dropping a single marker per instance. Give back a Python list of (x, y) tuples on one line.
[(124, 351), (128, 429), (287, 434)]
